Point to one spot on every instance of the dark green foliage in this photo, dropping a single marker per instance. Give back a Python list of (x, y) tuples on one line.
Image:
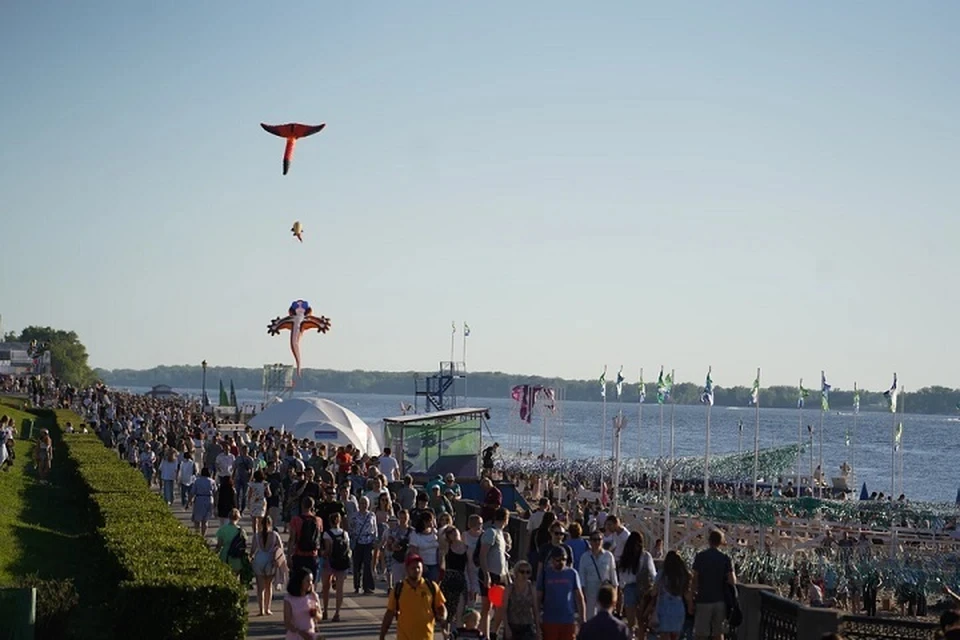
[(56, 600), (165, 573)]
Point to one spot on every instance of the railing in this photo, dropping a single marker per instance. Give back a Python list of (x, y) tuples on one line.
[(867, 628), (778, 617)]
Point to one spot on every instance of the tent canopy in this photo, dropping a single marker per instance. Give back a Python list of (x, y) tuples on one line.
[(320, 420)]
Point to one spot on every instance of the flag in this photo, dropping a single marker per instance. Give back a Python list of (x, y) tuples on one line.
[(670, 383), (755, 392), (453, 323), (662, 390), (224, 400), (603, 383), (466, 330), (856, 399), (824, 393), (643, 392), (846, 438), (707, 396), (898, 436), (740, 425), (891, 395), (803, 395), (620, 382), (233, 395)]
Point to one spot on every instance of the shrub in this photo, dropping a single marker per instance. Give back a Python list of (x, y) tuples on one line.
[(56, 600), (167, 575)]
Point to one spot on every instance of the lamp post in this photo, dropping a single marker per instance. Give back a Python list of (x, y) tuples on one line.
[(203, 384)]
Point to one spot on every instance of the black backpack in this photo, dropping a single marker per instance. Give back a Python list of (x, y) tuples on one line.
[(400, 550), (238, 546), (339, 553), (309, 539)]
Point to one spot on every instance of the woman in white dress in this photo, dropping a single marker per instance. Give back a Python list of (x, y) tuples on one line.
[(267, 552), (257, 493)]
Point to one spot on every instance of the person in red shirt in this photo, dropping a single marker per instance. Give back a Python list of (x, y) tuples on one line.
[(344, 464), (306, 533), (492, 500)]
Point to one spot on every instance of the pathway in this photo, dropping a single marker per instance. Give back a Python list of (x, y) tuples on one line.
[(360, 616)]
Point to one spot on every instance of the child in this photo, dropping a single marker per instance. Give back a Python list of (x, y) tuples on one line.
[(470, 629)]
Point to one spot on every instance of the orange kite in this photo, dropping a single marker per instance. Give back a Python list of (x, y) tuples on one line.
[(291, 132)]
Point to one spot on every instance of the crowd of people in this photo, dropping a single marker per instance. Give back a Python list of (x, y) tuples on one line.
[(322, 516)]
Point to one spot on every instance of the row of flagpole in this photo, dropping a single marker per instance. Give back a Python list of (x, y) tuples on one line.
[(664, 393)]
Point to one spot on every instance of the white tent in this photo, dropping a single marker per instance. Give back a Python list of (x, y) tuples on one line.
[(320, 420)]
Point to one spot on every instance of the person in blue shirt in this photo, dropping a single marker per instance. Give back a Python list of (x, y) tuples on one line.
[(604, 626), (562, 597)]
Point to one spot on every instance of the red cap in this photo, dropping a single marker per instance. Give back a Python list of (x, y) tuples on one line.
[(412, 558)]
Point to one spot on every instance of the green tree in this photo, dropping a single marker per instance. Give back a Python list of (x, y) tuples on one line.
[(67, 354)]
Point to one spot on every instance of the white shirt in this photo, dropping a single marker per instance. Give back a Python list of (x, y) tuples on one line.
[(617, 542), (168, 470), (593, 576), (390, 468)]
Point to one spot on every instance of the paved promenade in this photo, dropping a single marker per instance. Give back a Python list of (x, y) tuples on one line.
[(360, 616)]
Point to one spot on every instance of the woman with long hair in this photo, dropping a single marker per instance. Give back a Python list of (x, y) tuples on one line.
[(301, 607), (257, 493), (521, 608), (635, 574), (672, 597), (539, 538), (453, 562), (425, 543), (267, 548)]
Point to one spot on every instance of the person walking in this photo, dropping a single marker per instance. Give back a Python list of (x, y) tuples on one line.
[(604, 626), (416, 603), (562, 598), (712, 577)]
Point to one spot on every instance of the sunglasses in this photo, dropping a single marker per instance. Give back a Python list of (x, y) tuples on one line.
[(524, 572)]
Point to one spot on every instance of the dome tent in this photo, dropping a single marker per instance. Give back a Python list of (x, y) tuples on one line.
[(320, 420)]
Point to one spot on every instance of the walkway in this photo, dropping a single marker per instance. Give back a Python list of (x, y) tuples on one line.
[(360, 617)]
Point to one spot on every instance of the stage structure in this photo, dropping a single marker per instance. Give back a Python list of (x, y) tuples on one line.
[(442, 391), (277, 383), (435, 443), (535, 423)]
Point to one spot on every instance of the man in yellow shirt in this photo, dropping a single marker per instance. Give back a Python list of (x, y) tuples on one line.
[(419, 604)]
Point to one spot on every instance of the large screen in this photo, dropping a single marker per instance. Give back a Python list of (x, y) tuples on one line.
[(432, 448)]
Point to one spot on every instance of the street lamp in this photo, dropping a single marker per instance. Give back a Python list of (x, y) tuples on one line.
[(203, 365)]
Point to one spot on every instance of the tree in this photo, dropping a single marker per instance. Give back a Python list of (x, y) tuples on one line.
[(67, 354)]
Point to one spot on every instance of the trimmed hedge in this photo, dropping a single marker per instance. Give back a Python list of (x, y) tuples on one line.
[(167, 575)]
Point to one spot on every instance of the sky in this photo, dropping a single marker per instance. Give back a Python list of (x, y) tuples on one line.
[(686, 184)]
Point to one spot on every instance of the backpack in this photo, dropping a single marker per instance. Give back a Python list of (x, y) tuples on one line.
[(238, 546), (309, 539), (400, 552), (398, 589), (339, 553)]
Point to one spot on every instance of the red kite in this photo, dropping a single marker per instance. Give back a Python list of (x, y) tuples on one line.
[(291, 132)]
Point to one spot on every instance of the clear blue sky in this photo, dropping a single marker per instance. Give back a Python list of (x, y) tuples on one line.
[(688, 184)]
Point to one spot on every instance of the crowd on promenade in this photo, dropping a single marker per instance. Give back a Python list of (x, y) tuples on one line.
[(321, 516)]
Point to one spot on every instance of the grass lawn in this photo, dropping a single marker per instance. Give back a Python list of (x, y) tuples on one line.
[(47, 528)]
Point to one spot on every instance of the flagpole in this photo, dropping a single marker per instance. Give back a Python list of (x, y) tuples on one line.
[(639, 424), (853, 436), (756, 441), (799, 438), (453, 335), (893, 451), (708, 393), (820, 437), (706, 457), (617, 427), (900, 444), (673, 409), (465, 363), (603, 434)]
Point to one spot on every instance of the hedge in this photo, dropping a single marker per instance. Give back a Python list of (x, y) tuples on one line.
[(169, 583)]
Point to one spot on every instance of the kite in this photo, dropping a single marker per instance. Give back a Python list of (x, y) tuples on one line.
[(297, 231), (300, 319), (291, 132)]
